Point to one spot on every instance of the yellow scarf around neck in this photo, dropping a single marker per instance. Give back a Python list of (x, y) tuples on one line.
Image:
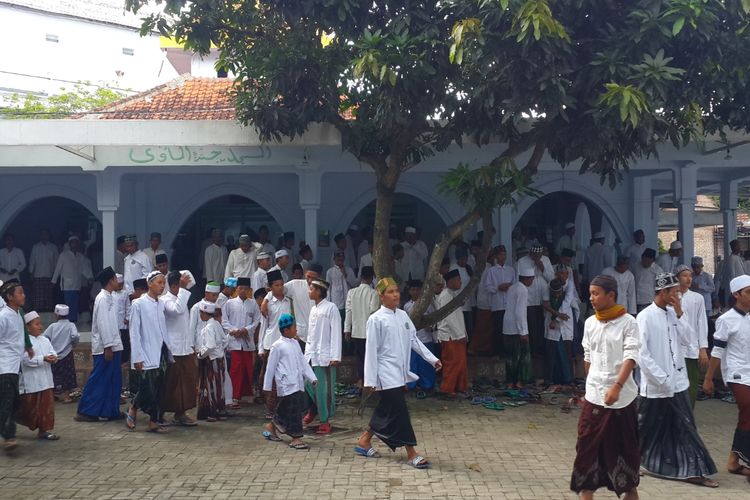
[(613, 312)]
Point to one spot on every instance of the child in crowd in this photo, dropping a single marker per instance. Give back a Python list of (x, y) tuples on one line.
[(417, 365), (287, 370), (558, 335), (297, 272), (63, 335), (211, 343), (37, 411)]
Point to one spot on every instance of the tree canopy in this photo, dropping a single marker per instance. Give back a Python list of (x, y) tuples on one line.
[(596, 84), (62, 105)]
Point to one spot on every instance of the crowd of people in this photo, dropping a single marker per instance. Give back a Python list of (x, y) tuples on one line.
[(271, 327)]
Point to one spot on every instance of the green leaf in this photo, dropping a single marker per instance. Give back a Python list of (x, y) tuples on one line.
[(677, 26)]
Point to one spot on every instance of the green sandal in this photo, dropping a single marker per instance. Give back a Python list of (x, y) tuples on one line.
[(494, 406)]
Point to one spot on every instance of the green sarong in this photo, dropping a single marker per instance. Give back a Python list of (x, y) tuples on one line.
[(324, 395)]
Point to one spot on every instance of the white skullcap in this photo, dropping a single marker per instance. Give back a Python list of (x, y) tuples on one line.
[(281, 253), (676, 245), (410, 229), (263, 255), (598, 235), (738, 283), (62, 310), (569, 225), (30, 316), (73, 237), (213, 288), (152, 276), (119, 277), (526, 272), (207, 307)]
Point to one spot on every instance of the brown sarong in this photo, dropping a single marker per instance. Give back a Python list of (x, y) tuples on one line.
[(741, 441), (482, 339), (211, 403), (64, 373), (455, 369), (607, 451), (181, 386), (37, 410), (42, 298)]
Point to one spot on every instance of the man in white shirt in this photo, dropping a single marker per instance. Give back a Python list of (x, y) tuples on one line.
[(154, 248), (625, 284), (215, 258), (734, 266), (282, 263), (415, 255), (263, 240), (120, 255), (299, 292), (341, 278), (353, 239), (148, 352), (42, 261), (259, 279), (645, 275), (101, 395), (499, 279), (670, 260), (365, 258), (695, 313), (181, 378), (12, 261), (242, 261), (137, 264), (72, 270), (286, 269), (670, 444), (451, 333), (703, 283), (465, 272), (567, 240), (598, 257), (635, 251), (11, 353), (323, 352), (391, 336), (516, 329), (360, 303), (731, 355), (538, 293)]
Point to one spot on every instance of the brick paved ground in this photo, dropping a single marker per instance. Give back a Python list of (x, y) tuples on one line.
[(519, 453)]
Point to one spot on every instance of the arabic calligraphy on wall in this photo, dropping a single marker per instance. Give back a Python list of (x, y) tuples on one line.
[(185, 154)]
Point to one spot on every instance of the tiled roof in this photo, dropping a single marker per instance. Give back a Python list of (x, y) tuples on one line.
[(106, 11), (186, 98)]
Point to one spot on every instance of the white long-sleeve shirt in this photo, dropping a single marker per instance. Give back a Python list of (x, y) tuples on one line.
[(242, 264), (287, 366), (452, 327), (625, 288), (215, 262), (539, 289), (148, 332), (42, 259), (63, 335), (515, 321), (71, 269), (645, 281), (667, 262), (211, 340), (299, 292), (136, 266), (694, 312), (105, 330), (12, 260), (271, 332), (661, 356), (361, 302), (340, 285), (180, 339), (11, 340), (496, 276), (425, 335), (324, 334), (237, 314), (606, 346), (122, 299), (391, 336), (259, 280), (732, 346), (598, 256), (151, 254), (37, 373), (703, 284), (415, 260), (563, 329), (635, 253)]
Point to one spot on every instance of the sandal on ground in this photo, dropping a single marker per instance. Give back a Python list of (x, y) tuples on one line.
[(10, 445), (421, 395), (299, 446), (494, 406), (742, 470), (323, 429), (130, 422), (271, 436), (703, 481), (157, 430), (419, 462), (211, 419), (366, 452), (184, 422), (478, 400), (49, 436)]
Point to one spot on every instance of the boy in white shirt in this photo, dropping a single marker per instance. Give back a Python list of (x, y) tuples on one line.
[(417, 365), (286, 373), (36, 384), (63, 335), (210, 344)]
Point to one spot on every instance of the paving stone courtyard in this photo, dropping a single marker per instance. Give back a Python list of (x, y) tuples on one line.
[(518, 453)]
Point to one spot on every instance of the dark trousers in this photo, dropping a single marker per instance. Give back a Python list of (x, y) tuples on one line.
[(359, 352), (497, 332), (469, 323), (9, 402)]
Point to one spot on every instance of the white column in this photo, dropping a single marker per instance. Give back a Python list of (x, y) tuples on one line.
[(643, 210), (108, 201), (686, 190), (309, 179), (728, 205), (141, 210), (505, 227), (108, 235), (311, 227)]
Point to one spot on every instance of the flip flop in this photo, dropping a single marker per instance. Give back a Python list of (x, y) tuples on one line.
[(10, 446), (299, 446), (740, 471), (367, 452), (488, 399), (271, 437), (703, 481), (157, 430), (478, 400), (49, 436), (419, 462), (129, 419), (494, 406)]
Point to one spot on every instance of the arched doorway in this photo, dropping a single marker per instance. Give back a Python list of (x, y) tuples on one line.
[(233, 214)]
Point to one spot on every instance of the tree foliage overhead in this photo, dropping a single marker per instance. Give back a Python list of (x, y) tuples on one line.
[(62, 105)]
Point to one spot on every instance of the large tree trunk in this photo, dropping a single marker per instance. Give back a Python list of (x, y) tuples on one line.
[(381, 252)]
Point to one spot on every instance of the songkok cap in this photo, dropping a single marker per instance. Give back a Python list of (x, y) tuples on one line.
[(410, 229), (367, 272), (562, 268), (62, 310), (598, 235), (319, 283), (537, 249), (244, 238), (384, 283), (274, 275), (623, 259), (738, 283), (213, 287), (304, 249), (73, 237), (522, 250), (316, 268), (131, 238), (105, 275), (665, 280), (556, 285), (120, 240), (526, 272), (207, 307), (339, 237), (155, 235), (281, 253), (140, 284), (569, 225), (30, 316), (285, 321), (682, 268), (567, 252), (263, 255), (161, 258), (697, 261), (288, 235), (453, 273), (676, 245), (244, 281), (153, 275), (231, 282), (461, 252), (650, 253), (120, 278), (414, 284)]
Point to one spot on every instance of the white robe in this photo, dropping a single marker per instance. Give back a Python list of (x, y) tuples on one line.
[(625, 288), (43, 259), (180, 340), (137, 265), (36, 375), (63, 335), (694, 310), (237, 314), (148, 332), (298, 291), (215, 262), (242, 264), (415, 260), (71, 269), (270, 332), (340, 285), (323, 334), (105, 331), (287, 367), (515, 321), (451, 327), (361, 302), (10, 261)]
